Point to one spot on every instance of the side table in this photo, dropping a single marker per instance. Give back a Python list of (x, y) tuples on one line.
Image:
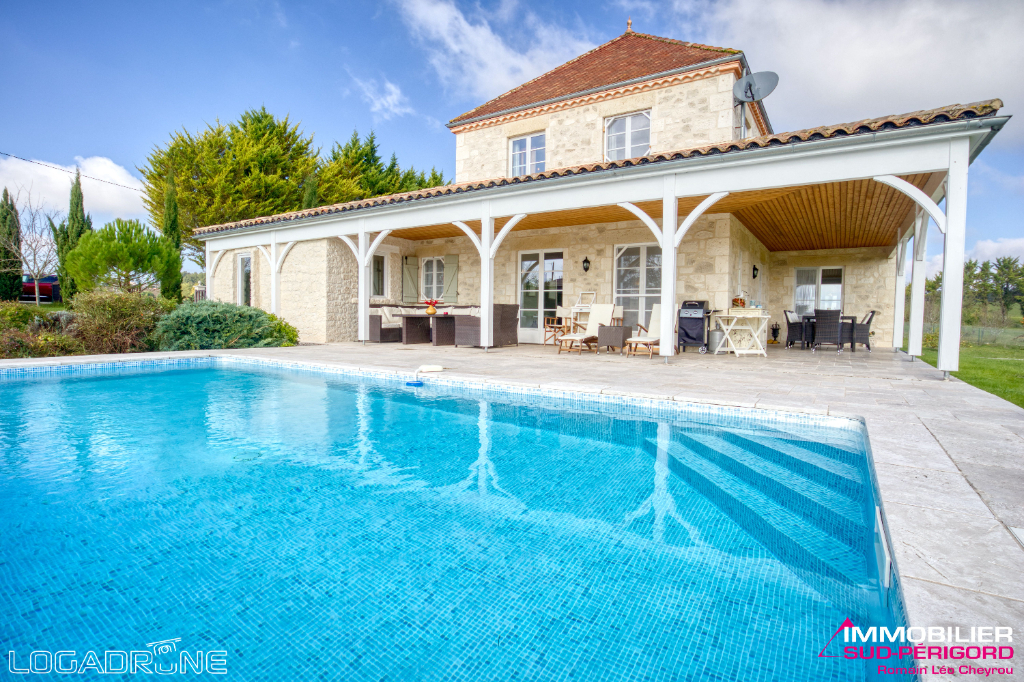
[(612, 336)]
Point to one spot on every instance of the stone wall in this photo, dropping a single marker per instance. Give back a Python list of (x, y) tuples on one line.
[(685, 115), (869, 284)]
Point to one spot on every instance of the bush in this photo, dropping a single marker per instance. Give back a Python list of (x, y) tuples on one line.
[(117, 323), (52, 345), (15, 343), (211, 325), (14, 315)]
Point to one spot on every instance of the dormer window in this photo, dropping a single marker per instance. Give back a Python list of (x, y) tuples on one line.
[(628, 137), (528, 155)]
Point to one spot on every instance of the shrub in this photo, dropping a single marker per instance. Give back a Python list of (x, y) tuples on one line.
[(13, 315), (48, 345), (211, 324), (117, 323), (15, 343)]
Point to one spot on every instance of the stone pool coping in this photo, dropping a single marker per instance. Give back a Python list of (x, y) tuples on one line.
[(949, 457)]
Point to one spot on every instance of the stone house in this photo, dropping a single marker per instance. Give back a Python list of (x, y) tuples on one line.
[(631, 161)]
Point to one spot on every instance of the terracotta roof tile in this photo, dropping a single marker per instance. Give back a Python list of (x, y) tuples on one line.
[(952, 112), (629, 56)]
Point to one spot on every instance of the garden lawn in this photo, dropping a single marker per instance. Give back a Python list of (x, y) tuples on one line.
[(996, 369)]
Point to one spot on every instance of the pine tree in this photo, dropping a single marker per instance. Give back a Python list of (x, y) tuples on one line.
[(10, 263), (170, 284), (67, 234)]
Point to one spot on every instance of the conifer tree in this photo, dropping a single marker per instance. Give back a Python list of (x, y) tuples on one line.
[(170, 283), (309, 192), (67, 234), (10, 263)]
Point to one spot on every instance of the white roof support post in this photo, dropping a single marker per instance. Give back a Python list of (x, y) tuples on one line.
[(486, 276), (899, 310), (363, 286), (917, 280), (274, 279), (953, 248), (669, 218), (209, 272)]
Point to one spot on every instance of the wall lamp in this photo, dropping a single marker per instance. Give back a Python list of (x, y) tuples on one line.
[(586, 264)]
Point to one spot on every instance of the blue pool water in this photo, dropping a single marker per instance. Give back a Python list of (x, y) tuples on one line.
[(332, 527)]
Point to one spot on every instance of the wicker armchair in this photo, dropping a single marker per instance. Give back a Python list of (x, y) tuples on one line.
[(506, 327), (859, 332), (794, 329), (383, 332), (826, 329)]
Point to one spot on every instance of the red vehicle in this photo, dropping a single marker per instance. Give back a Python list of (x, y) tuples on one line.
[(48, 286)]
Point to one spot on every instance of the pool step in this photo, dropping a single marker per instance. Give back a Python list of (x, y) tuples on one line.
[(838, 475), (826, 508), (794, 539)]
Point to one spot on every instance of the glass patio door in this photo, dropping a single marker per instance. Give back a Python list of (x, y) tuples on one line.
[(540, 292), (637, 282)]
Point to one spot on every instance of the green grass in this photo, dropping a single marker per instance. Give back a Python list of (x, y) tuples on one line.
[(45, 307), (996, 369)]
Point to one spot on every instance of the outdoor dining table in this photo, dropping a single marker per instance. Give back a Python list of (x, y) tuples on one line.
[(751, 320), (807, 330), (437, 329)]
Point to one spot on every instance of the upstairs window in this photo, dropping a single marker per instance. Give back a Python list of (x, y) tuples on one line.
[(528, 155), (628, 137)]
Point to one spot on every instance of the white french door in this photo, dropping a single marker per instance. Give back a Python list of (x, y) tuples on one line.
[(540, 292), (637, 281)]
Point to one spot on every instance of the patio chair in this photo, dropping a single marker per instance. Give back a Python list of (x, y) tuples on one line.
[(826, 329), (555, 326), (859, 332), (794, 328), (600, 315), (649, 335)]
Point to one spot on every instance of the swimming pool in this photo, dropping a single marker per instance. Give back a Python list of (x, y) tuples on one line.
[(335, 526)]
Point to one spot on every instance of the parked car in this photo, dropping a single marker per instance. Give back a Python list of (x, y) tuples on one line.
[(49, 289)]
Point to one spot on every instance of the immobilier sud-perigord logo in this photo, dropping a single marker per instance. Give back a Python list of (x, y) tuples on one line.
[(977, 645), (161, 658)]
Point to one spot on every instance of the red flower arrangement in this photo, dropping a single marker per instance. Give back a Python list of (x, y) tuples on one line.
[(431, 301)]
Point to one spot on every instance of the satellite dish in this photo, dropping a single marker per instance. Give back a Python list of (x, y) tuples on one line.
[(754, 87)]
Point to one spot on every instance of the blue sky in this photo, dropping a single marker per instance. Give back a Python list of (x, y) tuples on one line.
[(100, 83)]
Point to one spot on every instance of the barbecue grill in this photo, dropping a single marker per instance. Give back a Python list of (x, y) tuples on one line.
[(694, 324)]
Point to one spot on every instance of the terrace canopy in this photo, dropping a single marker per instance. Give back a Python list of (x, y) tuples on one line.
[(868, 184)]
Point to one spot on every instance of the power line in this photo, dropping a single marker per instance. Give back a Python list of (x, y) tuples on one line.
[(65, 170)]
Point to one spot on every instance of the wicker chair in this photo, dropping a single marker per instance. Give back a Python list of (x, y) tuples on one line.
[(826, 329), (794, 329), (505, 321), (859, 332)]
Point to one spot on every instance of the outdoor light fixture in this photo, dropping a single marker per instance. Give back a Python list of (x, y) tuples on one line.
[(586, 264), (755, 272)]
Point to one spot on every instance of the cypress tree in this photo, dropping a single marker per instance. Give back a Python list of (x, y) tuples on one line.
[(67, 234), (309, 197), (10, 263), (170, 285)]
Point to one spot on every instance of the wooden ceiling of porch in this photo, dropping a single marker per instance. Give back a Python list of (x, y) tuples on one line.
[(857, 213)]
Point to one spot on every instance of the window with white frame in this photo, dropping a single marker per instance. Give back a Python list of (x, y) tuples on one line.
[(379, 276), (432, 286), (528, 154), (637, 281), (818, 288), (627, 137), (245, 279)]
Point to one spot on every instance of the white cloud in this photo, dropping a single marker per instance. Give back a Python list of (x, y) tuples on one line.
[(844, 60), (476, 59), (990, 249), (385, 99), (52, 187)]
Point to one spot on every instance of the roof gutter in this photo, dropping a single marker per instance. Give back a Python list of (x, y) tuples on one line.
[(581, 93)]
